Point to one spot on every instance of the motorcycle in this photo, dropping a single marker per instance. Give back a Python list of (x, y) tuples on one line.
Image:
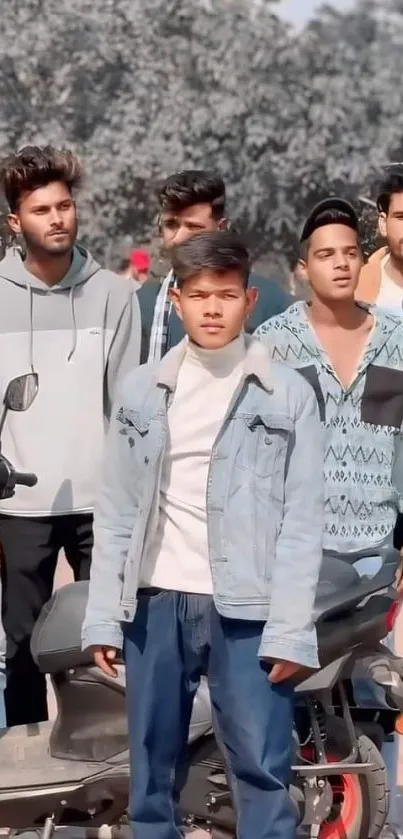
[(75, 770)]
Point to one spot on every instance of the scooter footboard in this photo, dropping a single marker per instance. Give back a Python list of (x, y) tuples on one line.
[(34, 785), (92, 802)]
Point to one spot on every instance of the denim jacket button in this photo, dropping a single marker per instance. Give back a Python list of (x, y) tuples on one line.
[(267, 441)]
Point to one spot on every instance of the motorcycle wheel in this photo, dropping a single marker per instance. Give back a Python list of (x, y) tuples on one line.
[(361, 802)]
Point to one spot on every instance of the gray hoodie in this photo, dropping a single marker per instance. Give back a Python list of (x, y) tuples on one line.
[(80, 336)]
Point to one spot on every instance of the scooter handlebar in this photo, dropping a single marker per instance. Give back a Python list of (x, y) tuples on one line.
[(26, 479)]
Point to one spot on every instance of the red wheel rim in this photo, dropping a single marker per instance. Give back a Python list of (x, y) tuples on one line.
[(346, 791)]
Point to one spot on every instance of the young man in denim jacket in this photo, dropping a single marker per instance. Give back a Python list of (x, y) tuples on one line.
[(208, 545)]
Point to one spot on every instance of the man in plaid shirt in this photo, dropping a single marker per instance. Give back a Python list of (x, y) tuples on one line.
[(192, 202)]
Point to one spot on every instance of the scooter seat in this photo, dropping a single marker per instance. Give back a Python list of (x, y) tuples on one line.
[(56, 639), (336, 575)]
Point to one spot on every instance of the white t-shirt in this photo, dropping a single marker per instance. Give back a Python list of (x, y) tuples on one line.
[(178, 558), (390, 297)]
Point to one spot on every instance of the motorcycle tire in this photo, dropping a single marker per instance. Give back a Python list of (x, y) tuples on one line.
[(361, 801)]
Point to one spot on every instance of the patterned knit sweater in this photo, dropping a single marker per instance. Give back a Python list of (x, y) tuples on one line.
[(363, 425)]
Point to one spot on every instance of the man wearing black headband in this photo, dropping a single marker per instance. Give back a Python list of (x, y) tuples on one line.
[(352, 354)]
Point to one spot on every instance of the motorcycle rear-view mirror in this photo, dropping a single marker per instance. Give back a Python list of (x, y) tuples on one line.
[(19, 395), (21, 392)]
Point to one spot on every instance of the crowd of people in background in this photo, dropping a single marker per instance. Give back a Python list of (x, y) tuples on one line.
[(189, 337)]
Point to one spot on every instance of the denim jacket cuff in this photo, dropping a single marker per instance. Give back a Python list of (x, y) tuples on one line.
[(106, 634), (286, 649)]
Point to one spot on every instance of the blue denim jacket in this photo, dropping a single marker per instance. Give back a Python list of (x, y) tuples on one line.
[(264, 503)]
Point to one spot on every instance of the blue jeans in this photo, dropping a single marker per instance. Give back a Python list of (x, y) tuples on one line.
[(174, 639)]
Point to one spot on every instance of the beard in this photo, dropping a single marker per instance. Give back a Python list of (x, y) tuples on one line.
[(48, 245)]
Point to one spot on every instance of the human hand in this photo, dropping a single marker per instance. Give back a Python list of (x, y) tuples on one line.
[(103, 657), (282, 671)]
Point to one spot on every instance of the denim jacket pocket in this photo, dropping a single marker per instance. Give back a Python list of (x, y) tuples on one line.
[(136, 432), (265, 437), (132, 420)]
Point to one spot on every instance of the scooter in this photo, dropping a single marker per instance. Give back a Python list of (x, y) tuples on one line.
[(75, 770)]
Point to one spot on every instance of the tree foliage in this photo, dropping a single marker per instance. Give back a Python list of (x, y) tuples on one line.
[(139, 90)]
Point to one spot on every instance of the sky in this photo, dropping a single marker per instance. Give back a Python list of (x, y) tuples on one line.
[(299, 11)]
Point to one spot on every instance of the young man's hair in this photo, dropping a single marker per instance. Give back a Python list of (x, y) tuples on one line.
[(217, 251), (124, 264), (33, 167), (193, 186), (391, 185), (327, 217)]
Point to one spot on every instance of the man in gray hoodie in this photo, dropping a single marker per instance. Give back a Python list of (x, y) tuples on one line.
[(78, 326)]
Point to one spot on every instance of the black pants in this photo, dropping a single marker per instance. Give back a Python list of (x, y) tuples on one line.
[(30, 548)]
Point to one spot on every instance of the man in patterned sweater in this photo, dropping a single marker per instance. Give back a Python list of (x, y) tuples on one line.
[(352, 354)]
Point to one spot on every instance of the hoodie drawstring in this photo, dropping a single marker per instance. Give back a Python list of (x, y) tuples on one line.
[(73, 318), (31, 329), (31, 326)]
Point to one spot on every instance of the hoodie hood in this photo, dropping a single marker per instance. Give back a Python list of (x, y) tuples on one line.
[(83, 266)]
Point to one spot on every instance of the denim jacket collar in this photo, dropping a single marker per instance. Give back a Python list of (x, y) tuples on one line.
[(257, 363)]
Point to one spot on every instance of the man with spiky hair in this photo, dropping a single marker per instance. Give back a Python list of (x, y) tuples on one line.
[(78, 326), (192, 201)]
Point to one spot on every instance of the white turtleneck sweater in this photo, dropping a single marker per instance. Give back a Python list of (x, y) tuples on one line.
[(178, 557)]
